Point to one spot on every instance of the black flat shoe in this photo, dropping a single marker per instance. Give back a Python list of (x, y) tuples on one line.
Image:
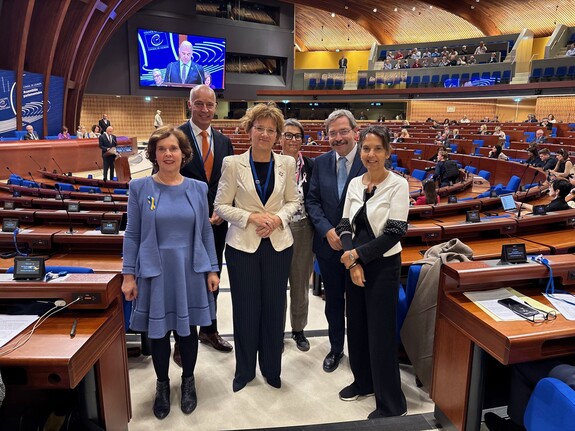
[(162, 401), (189, 397), (276, 382), (331, 361)]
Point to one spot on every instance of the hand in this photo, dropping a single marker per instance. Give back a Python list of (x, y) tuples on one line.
[(357, 275), (213, 281), (348, 257), (216, 219), (265, 223), (129, 287), (333, 239)]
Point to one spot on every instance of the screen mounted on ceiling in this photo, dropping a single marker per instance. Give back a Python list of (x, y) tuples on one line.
[(180, 60)]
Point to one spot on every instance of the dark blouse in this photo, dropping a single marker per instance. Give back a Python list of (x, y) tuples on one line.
[(262, 171), (557, 204)]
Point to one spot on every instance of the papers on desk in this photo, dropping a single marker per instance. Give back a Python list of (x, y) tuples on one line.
[(10, 326), (97, 232), (567, 310), (6, 277), (487, 301)]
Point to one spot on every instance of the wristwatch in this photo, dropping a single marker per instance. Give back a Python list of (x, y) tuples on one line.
[(351, 257)]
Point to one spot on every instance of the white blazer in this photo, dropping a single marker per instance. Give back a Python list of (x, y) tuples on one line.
[(237, 198)]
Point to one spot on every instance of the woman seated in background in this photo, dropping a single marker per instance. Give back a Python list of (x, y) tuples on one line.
[(533, 157), (500, 133), (456, 134), (96, 132), (497, 153), (483, 129), (404, 134), (462, 61), (82, 133), (310, 141), (559, 190), (429, 196), (64, 133), (563, 167)]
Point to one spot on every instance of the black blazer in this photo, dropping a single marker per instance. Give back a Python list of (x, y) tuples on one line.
[(195, 169), (104, 124), (30, 136), (105, 144)]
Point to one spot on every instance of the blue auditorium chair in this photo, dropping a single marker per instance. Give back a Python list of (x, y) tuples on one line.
[(535, 75), (484, 174), (418, 174), (434, 81), (496, 75), (551, 406), (15, 180), (477, 143), (120, 191), (416, 80), (548, 73), (506, 78), (90, 189), (465, 77), (31, 184), (444, 78), (362, 82), (475, 76), (570, 73), (425, 79), (529, 136), (571, 127), (507, 143), (329, 83), (511, 187), (486, 75), (453, 148), (401, 169), (560, 73), (65, 187), (312, 83), (20, 134), (406, 295), (408, 81), (471, 169)]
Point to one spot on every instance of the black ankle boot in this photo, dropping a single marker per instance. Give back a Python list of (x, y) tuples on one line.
[(189, 396), (162, 401)]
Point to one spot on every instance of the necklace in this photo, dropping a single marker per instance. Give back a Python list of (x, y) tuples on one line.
[(177, 181)]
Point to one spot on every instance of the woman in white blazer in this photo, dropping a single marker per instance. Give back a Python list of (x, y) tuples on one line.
[(257, 195)]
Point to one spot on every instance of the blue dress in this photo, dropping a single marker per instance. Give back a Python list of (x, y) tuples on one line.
[(178, 297)]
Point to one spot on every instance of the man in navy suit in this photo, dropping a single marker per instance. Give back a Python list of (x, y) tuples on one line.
[(324, 204), (184, 71), (209, 149), (108, 143)]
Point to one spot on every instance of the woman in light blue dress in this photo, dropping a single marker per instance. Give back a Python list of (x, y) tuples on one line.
[(170, 265)]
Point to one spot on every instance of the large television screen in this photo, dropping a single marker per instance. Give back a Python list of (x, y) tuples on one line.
[(180, 60)]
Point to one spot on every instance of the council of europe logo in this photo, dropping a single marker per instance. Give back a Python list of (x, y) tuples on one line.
[(156, 40)]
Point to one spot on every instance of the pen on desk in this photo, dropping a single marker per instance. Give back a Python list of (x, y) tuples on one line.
[(73, 330)]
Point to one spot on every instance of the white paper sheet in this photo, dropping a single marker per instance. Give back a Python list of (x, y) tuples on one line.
[(11, 326), (567, 310)]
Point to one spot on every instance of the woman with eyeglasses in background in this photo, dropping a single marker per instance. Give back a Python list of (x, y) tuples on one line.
[(257, 195), (302, 232)]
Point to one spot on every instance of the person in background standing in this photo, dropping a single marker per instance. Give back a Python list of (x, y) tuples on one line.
[(158, 122), (210, 148), (302, 232), (104, 123), (324, 205), (257, 195), (342, 63), (170, 265), (108, 143)]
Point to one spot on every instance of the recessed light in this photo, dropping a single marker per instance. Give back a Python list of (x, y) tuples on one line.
[(333, 14), (472, 7), (346, 7), (374, 10), (413, 8), (395, 10)]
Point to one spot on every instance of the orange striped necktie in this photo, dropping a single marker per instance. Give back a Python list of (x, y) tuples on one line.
[(207, 155)]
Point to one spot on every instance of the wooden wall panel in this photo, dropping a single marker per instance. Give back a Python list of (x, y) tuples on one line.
[(131, 116), (562, 107), (420, 110)]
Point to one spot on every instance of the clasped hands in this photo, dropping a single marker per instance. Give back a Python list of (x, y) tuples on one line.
[(349, 260), (265, 223)]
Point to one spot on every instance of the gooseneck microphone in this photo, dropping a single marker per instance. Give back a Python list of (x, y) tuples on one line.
[(521, 178), (343, 230), (39, 165), (59, 167), (108, 192), (33, 180), (71, 230)]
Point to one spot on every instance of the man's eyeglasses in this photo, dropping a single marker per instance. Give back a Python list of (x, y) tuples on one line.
[(290, 136), (202, 105), (542, 316), (263, 130), (343, 133)]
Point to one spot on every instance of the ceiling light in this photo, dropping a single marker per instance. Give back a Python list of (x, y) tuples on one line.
[(346, 7), (431, 6), (413, 8), (374, 10), (472, 7), (333, 14), (395, 10)]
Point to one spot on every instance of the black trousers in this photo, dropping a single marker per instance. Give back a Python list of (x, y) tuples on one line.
[(161, 354), (258, 285), (333, 277), (371, 338), (108, 162)]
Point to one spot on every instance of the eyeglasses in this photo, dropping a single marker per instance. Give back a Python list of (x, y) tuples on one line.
[(342, 133), (542, 316), (263, 130), (202, 105), (290, 136)]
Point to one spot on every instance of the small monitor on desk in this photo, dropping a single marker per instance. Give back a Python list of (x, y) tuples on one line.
[(539, 209), (472, 217), (107, 198), (513, 253), (29, 268), (492, 193), (74, 207), (109, 227), (9, 224), (451, 199), (8, 205)]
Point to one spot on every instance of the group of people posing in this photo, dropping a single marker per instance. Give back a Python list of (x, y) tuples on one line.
[(271, 212)]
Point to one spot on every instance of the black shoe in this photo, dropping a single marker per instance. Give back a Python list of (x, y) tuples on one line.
[(189, 397), (376, 414), (276, 382), (301, 342), (496, 423), (352, 393), (237, 385), (331, 361), (162, 401)]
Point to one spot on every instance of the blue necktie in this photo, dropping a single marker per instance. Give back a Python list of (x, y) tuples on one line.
[(341, 175)]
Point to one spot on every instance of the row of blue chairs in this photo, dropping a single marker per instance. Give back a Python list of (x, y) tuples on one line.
[(539, 74), (66, 187), (434, 80), (328, 84)]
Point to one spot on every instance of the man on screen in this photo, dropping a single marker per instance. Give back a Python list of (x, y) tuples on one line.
[(184, 71)]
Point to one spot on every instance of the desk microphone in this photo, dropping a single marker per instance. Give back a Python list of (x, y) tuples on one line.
[(71, 230), (40, 166), (59, 167), (10, 170), (33, 180), (109, 193), (343, 230), (521, 178)]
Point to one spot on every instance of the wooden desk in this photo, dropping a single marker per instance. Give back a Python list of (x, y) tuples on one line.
[(464, 334), (53, 360), (455, 226), (559, 242), (35, 237), (99, 262), (88, 238)]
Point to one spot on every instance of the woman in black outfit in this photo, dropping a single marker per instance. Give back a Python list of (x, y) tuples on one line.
[(558, 190)]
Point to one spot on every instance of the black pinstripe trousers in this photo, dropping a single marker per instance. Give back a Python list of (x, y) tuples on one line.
[(258, 284)]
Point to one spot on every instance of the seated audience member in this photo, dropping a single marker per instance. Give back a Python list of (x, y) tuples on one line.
[(483, 129), (435, 62), (96, 132), (497, 153), (396, 138), (30, 135), (416, 64), (563, 166), (571, 51), (493, 58), (415, 54), (500, 133), (82, 133), (404, 134), (481, 49), (429, 194), (558, 190), (551, 119), (64, 133), (310, 141), (406, 64), (435, 53), (444, 61), (405, 124), (425, 63), (426, 53), (463, 50), (545, 123), (495, 119), (531, 119), (446, 122), (462, 61), (398, 55), (485, 119), (453, 60), (540, 137), (571, 197), (471, 60), (442, 139), (465, 119), (524, 378), (547, 162), (387, 64), (456, 134), (446, 171), (533, 156), (320, 136)]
